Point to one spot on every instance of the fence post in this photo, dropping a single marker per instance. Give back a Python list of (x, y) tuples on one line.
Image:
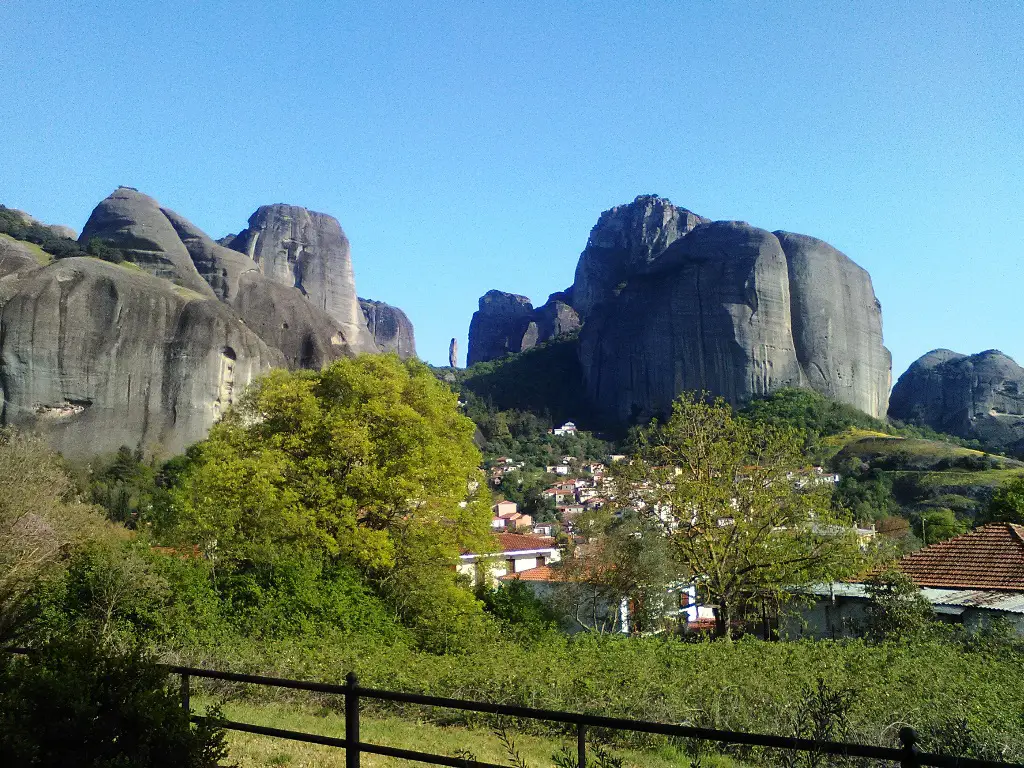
[(351, 722), (908, 740), (581, 746), (185, 693)]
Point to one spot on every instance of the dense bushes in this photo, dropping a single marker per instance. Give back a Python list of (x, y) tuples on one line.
[(81, 704), (58, 246)]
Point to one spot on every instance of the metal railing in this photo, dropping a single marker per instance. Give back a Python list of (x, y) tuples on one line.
[(908, 755)]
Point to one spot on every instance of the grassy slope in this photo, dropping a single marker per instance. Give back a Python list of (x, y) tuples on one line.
[(40, 255), (249, 750)]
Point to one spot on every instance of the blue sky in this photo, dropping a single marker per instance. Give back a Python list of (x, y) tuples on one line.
[(472, 146)]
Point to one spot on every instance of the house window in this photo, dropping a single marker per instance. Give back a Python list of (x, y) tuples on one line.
[(541, 561)]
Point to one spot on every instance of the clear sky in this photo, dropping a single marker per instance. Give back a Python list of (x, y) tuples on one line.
[(469, 146)]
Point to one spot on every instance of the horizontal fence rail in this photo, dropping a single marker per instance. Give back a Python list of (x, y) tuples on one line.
[(907, 755)]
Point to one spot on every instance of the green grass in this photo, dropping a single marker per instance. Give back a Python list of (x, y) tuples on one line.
[(990, 478), (38, 253), (250, 750)]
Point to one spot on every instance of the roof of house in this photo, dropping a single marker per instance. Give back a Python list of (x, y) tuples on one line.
[(989, 557), (517, 542), (540, 573)]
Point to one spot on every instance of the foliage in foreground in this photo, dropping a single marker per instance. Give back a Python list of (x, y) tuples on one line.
[(79, 704)]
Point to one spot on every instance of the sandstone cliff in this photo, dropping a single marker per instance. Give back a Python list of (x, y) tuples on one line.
[(391, 329), (670, 301), (308, 251), (739, 312), (150, 353), (977, 397), (96, 356)]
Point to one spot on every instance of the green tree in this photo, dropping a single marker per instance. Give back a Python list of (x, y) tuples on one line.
[(40, 517), (1007, 504), (897, 608), (938, 524), (746, 517), (81, 704), (367, 462)]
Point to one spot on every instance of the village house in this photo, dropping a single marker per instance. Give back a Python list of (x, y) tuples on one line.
[(557, 469), (566, 429), (515, 552), (507, 517), (970, 580)]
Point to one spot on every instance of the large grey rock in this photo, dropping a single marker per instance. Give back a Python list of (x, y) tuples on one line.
[(308, 251), (135, 223), (739, 312), (500, 326), (977, 397), (281, 316), (391, 329), (96, 356), (220, 267), (555, 318), (15, 256), (626, 239)]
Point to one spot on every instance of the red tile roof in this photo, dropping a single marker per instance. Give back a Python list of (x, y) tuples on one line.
[(540, 573), (515, 542), (989, 557)]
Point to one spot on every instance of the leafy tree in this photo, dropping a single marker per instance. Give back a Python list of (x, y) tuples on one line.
[(39, 518), (367, 462), (623, 560), (897, 609), (1007, 504), (745, 517), (81, 704), (938, 524)]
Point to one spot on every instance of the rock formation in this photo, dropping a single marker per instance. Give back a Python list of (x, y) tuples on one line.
[(977, 397), (499, 326), (670, 301), (625, 240), (507, 323), (96, 356), (391, 329), (453, 353), (308, 251), (135, 223), (151, 352), (739, 312)]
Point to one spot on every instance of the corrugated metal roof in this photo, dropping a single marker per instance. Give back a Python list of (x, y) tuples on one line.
[(988, 599)]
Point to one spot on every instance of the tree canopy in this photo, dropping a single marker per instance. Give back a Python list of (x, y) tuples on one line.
[(367, 462), (747, 518)]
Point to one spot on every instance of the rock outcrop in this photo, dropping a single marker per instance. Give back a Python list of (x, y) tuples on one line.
[(96, 356), (739, 312), (134, 222), (977, 397), (669, 301), (624, 241), (507, 323), (308, 251), (151, 352), (391, 329), (453, 353), (499, 326)]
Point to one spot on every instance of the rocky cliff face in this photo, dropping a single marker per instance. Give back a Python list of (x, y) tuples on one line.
[(739, 312), (391, 329), (135, 223), (670, 301), (151, 352), (308, 251), (977, 397), (96, 356), (507, 323), (626, 239), (499, 326)]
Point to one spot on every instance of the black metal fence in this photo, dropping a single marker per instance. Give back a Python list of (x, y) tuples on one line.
[(908, 755)]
